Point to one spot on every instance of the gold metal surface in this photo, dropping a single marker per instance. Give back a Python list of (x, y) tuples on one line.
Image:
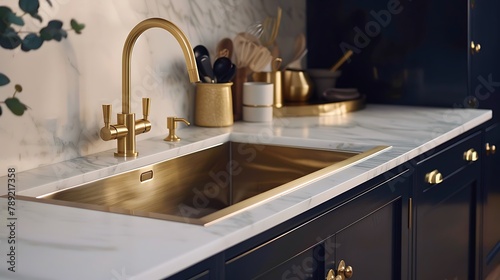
[(434, 177), (297, 85), (206, 186), (172, 125), (475, 47), (127, 127), (490, 149), (146, 176), (471, 155), (213, 105), (343, 272), (330, 275), (324, 109), (132, 37)]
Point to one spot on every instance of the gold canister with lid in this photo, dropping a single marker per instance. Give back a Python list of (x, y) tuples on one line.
[(213, 105)]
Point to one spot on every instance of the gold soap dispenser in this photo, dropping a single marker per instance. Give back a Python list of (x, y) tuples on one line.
[(172, 125)]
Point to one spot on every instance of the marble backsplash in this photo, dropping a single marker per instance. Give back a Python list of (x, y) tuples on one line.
[(65, 83)]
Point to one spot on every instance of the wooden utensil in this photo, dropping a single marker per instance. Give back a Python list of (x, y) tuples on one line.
[(341, 61), (225, 48)]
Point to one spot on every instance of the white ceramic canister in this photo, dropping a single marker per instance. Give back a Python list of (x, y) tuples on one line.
[(258, 101)]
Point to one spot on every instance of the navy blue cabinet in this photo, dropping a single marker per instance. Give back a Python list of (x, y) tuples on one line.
[(484, 90), (434, 53), (447, 212), (421, 220), (491, 209), (405, 52), (366, 228)]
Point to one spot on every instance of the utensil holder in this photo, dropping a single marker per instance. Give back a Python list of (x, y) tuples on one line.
[(213, 105)]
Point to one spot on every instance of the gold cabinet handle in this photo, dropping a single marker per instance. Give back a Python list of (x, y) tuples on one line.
[(330, 275), (343, 272), (490, 149), (434, 177), (475, 47), (471, 155)]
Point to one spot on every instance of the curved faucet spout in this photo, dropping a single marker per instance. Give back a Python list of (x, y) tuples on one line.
[(129, 44)]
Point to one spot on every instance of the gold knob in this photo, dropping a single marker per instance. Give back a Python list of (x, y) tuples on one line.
[(330, 275), (490, 149), (475, 47), (471, 155), (343, 272), (434, 177), (348, 272)]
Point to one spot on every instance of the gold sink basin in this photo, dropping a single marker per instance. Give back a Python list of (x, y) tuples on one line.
[(208, 185)]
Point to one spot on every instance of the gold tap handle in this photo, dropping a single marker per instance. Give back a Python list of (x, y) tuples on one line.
[(106, 114), (145, 107)]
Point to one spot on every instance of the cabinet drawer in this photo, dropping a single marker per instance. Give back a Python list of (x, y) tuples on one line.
[(444, 163)]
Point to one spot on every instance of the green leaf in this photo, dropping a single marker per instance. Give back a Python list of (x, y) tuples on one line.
[(12, 18), (36, 16), (4, 13), (78, 27), (53, 30), (4, 80), (31, 42), (15, 106), (29, 6), (9, 39)]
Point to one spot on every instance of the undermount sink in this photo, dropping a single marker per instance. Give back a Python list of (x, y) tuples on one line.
[(210, 184)]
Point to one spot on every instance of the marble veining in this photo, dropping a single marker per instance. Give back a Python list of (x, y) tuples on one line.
[(66, 83), (55, 241)]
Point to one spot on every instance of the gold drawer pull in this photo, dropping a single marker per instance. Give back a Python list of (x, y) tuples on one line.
[(343, 272), (434, 177), (490, 149), (471, 155)]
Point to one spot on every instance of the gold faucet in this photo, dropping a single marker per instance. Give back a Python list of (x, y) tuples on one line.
[(127, 127)]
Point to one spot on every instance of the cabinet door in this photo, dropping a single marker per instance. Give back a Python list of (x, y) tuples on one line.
[(375, 245), (484, 54), (447, 214), (491, 204), (405, 52)]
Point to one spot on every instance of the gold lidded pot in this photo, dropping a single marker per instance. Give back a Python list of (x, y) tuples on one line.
[(213, 105)]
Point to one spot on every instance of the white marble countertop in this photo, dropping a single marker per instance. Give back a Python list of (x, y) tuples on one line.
[(57, 242)]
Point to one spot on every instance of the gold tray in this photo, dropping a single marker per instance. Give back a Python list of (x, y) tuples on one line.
[(322, 109)]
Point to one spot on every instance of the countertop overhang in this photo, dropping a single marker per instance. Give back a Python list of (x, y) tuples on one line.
[(56, 242)]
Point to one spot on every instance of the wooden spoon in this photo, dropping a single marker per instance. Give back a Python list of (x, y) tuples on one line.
[(225, 48), (341, 61)]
